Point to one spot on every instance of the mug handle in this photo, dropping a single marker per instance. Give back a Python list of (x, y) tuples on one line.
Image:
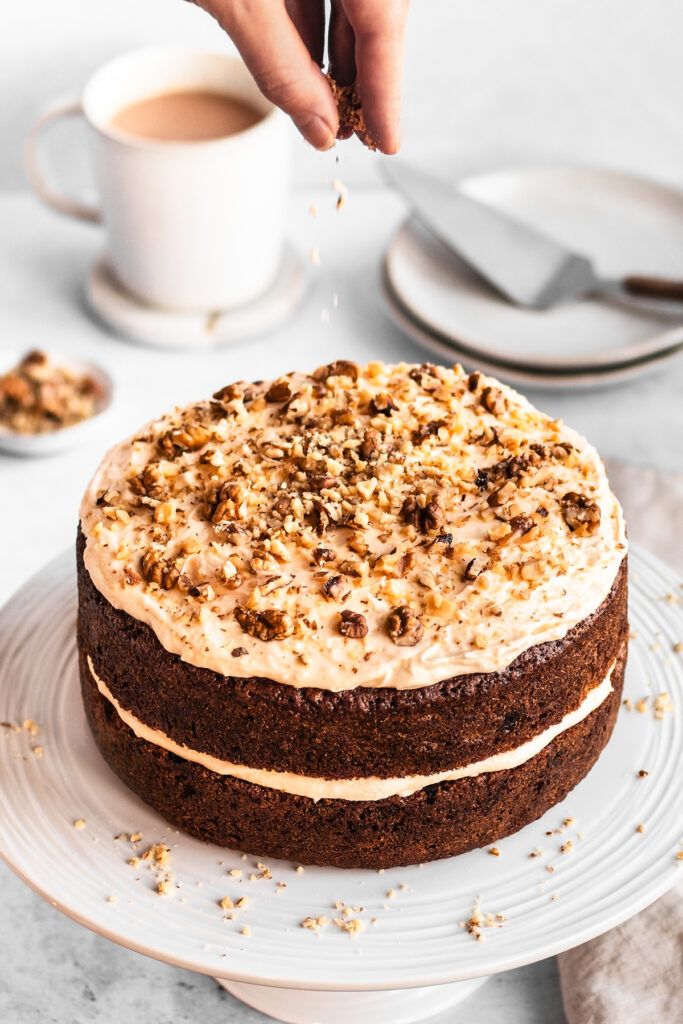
[(36, 176)]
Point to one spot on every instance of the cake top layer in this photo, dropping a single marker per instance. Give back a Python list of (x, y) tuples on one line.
[(378, 526)]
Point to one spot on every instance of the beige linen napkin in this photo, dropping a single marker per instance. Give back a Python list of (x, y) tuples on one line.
[(634, 974)]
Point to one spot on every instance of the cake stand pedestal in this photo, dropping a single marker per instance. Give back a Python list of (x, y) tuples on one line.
[(399, 1006), (410, 956)]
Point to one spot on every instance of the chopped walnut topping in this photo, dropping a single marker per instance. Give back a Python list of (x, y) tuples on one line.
[(581, 514), (474, 568), (323, 555), (404, 627), (333, 587), (185, 439), (340, 368), (426, 516), (493, 401), (353, 625), (382, 404), (432, 503), (157, 569), (371, 444), (270, 624), (279, 391)]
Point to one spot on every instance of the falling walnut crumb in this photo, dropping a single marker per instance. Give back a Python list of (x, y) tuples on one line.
[(299, 869), (246, 931), (79, 823), (37, 751), (537, 852), (679, 855), (391, 894), (643, 774), (112, 899), (640, 827), (494, 851)]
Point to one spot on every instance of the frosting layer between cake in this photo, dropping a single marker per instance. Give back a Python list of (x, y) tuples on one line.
[(385, 526), (374, 788)]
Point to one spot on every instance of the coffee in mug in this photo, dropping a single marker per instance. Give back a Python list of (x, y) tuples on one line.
[(187, 116)]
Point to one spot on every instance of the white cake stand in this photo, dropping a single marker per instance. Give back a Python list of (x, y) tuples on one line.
[(415, 959)]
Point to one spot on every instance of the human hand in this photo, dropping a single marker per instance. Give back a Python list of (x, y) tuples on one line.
[(282, 43)]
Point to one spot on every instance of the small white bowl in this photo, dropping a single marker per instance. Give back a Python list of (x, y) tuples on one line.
[(63, 438)]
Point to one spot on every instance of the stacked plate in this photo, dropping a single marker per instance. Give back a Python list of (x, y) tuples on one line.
[(625, 224)]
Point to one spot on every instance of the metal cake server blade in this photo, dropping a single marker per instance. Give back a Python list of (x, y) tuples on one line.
[(522, 264)]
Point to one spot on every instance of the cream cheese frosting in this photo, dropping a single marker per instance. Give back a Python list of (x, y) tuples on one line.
[(372, 788), (377, 526)]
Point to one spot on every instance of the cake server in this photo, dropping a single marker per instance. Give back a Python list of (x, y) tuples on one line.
[(525, 266)]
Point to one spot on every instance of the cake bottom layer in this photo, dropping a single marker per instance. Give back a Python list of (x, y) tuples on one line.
[(439, 821)]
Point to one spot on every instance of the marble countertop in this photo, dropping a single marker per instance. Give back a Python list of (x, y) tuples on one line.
[(53, 970)]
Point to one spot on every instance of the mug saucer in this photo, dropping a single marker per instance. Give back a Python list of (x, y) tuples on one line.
[(126, 315)]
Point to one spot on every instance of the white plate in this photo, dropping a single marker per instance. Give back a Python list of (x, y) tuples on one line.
[(569, 380), (64, 438), (612, 873), (626, 224), (121, 311)]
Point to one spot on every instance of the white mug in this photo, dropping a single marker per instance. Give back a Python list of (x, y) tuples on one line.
[(190, 225)]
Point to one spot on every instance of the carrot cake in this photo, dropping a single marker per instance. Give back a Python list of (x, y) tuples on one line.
[(367, 616)]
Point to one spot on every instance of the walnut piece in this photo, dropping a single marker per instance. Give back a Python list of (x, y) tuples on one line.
[(270, 624), (353, 625), (339, 368), (371, 444), (189, 438), (427, 518), (382, 404), (322, 555), (333, 587), (493, 401), (279, 391), (157, 569), (475, 567), (404, 627), (581, 514)]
